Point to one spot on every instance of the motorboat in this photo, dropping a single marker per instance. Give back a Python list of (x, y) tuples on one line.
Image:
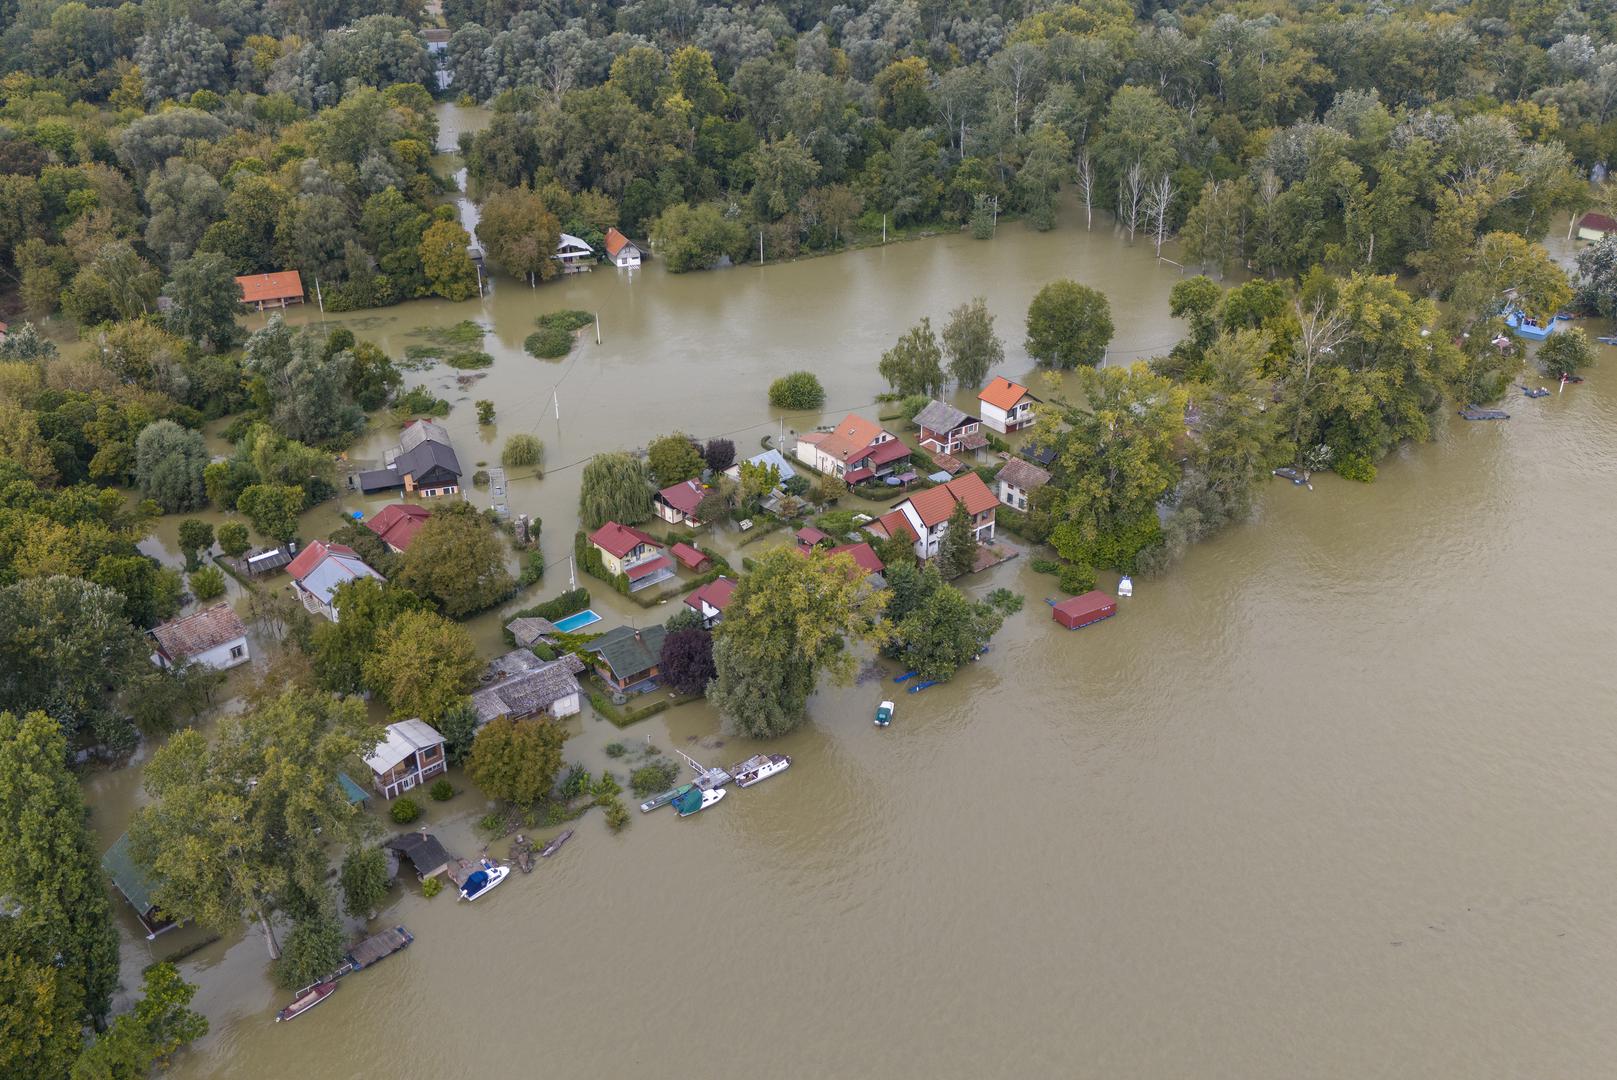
[(884, 714), (695, 801), (481, 880), (759, 768), (307, 999)]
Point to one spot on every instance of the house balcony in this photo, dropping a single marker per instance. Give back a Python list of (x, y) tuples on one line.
[(648, 571)]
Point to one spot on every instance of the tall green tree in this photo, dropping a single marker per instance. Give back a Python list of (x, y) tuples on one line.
[(1566, 353), (944, 632), (457, 560), (1068, 325), (301, 391), (674, 458), (520, 234), (915, 364), (58, 947), (364, 881), (516, 760), (445, 262), (206, 299), (138, 1041), (339, 650), (1235, 440), (790, 619), (614, 487), (169, 461), (273, 509), (423, 665), (957, 551), (971, 344), (237, 828)]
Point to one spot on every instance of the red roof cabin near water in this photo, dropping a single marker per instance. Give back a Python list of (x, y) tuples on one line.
[(690, 558), (398, 523), (260, 291), (1090, 607), (621, 250)]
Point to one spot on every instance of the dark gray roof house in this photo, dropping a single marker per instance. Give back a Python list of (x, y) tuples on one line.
[(520, 685), (627, 656), (424, 462), (424, 851)]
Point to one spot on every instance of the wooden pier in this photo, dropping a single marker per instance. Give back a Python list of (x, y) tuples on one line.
[(707, 779), (374, 948)]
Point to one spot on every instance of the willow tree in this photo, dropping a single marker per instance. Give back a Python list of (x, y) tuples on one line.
[(614, 487), (790, 619), (238, 829)]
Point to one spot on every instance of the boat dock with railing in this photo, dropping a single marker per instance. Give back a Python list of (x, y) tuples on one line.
[(707, 779)]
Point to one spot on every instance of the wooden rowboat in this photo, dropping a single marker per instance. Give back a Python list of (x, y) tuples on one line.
[(308, 999)]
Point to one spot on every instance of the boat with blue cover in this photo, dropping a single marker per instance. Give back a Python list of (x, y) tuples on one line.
[(484, 878), (884, 714), (697, 800)]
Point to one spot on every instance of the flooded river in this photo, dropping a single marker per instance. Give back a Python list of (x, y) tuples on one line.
[(1334, 798)]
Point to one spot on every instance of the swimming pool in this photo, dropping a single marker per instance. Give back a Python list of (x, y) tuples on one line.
[(577, 621)]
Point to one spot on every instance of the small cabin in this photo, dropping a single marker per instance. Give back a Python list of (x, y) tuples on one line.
[(1078, 611), (214, 637), (263, 291), (136, 885), (1593, 226), (573, 254), (621, 250)]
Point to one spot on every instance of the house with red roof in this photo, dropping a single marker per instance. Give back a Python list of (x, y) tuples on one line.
[(1596, 226), (397, 524), (711, 599), (320, 570), (636, 555), (863, 555), (214, 636), (856, 449), (621, 250), (1006, 406), (693, 559), (280, 290), (677, 503), (924, 516)]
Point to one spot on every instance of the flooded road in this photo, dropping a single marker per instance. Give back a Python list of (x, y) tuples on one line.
[(1334, 798)]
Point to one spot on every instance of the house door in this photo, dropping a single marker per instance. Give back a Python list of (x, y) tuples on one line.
[(407, 783)]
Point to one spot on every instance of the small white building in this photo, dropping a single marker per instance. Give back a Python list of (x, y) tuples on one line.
[(1594, 227), (573, 253), (621, 250), (1016, 482), (1006, 406), (214, 637), (411, 753)]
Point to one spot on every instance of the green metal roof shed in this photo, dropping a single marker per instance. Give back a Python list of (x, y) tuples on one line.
[(136, 885)]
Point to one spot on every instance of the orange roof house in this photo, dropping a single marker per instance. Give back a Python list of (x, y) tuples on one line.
[(621, 250), (279, 290), (1006, 406), (926, 513)]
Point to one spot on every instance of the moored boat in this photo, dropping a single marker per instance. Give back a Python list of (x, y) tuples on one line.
[(307, 999), (555, 845), (884, 714), (488, 876), (665, 798), (759, 768), (695, 800)]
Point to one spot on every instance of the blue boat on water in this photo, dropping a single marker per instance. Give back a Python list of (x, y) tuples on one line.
[(906, 675), (918, 687), (1526, 326)]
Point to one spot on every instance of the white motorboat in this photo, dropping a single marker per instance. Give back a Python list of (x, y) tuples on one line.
[(689, 803), (759, 768), (488, 876)]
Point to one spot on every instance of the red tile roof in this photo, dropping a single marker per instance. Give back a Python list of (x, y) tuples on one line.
[(199, 632), (615, 241), (1002, 393), (808, 535), (315, 554), (690, 557), (1600, 222), (863, 554), (684, 496), (882, 453), (934, 505), (641, 569), (260, 287), (850, 437), (896, 524), (398, 523), (717, 593), (618, 540)]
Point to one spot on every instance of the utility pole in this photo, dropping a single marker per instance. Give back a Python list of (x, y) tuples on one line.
[(884, 228), (760, 247), (597, 328), (572, 574), (555, 399), (321, 300)]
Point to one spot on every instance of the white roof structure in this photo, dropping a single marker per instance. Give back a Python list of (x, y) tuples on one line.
[(335, 569), (403, 739), (572, 245)]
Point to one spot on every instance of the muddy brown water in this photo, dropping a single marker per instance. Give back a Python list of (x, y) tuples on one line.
[(1334, 798)]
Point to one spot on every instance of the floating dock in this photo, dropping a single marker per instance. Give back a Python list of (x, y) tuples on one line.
[(372, 949), (1471, 412), (707, 779)]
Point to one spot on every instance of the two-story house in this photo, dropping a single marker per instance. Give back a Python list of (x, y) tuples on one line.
[(410, 753), (710, 600), (1017, 480), (320, 569), (628, 658), (856, 449), (677, 503), (636, 555), (923, 518), (949, 430), (424, 464), (1006, 406)]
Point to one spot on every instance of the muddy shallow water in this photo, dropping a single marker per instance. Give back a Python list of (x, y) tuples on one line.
[(1332, 799)]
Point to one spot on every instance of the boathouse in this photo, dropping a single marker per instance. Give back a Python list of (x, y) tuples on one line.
[(424, 853), (213, 637), (1090, 607), (261, 291), (136, 885)]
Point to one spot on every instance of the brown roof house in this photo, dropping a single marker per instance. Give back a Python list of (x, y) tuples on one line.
[(215, 637), (948, 430), (621, 250), (634, 554), (320, 570), (1016, 482), (677, 503), (711, 599), (520, 685), (1005, 406), (856, 449), (397, 524)]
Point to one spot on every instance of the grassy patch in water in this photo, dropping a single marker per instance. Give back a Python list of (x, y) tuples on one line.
[(555, 336), (419, 401), (463, 334), (469, 360)]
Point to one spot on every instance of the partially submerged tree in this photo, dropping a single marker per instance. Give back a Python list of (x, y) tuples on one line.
[(169, 461), (674, 458), (422, 665), (1068, 325), (613, 487), (516, 761), (457, 560), (971, 344), (915, 364), (686, 660)]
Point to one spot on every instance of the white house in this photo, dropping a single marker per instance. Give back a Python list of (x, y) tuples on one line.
[(1006, 406), (411, 753), (856, 449), (573, 253), (923, 518), (1017, 480), (320, 569), (948, 430), (214, 637), (621, 250)]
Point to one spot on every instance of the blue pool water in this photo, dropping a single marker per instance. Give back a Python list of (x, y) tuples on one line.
[(578, 621)]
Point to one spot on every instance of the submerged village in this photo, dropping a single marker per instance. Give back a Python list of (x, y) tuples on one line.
[(443, 447)]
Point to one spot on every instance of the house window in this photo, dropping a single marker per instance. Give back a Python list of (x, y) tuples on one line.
[(237, 651)]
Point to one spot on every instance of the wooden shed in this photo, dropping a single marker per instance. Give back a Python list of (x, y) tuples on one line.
[(1090, 607)]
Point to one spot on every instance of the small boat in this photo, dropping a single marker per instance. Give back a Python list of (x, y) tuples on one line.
[(694, 801), (1607, 339), (1296, 476), (884, 714), (918, 687), (555, 845), (307, 999), (1574, 379), (1125, 586), (903, 677), (1533, 392), (482, 880), (665, 798), (759, 768)]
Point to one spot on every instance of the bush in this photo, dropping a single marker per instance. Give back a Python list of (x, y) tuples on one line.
[(656, 777), (431, 887), (207, 583), (442, 790), (617, 815), (1077, 578), (485, 412), (1045, 566), (480, 478), (233, 538), (1355, 466), (551, 343), (606, 787), (616, 750), (568, 603), (568, 319), (799, 390), (470, 360), (1006, 601), (521, 450), (404, 811), (492, 823), (419, 401)]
